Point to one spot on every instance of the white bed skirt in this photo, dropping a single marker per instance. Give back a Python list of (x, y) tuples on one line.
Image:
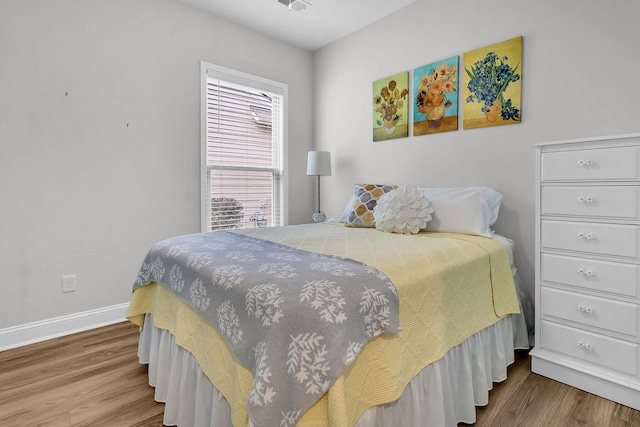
[(442, 394)]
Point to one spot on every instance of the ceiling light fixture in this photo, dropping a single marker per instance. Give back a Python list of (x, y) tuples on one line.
[(297, 5)]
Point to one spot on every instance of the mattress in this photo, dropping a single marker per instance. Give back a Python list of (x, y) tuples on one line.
[(386, 365)]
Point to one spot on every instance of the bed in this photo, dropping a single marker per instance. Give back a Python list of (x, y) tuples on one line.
[(459, 314)]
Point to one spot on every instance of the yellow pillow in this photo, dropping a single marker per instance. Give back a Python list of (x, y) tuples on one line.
[(367, 196)]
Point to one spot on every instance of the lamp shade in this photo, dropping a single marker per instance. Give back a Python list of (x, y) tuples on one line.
[(319, 163)]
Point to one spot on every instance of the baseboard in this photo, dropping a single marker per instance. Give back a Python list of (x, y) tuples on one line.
[(29, 333)]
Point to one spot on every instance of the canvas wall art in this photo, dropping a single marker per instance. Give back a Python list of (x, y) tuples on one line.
[(435, 107), (493, 85), (390, 107)]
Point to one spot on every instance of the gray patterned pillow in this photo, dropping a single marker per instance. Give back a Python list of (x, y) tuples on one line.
[(367, 196)]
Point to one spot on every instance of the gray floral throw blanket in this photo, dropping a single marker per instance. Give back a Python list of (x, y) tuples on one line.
[(295, 318)]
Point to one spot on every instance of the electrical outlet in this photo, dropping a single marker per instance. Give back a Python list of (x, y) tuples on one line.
[(69, 283)]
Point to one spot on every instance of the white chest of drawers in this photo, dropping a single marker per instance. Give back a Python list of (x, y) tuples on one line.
[(588, 265)]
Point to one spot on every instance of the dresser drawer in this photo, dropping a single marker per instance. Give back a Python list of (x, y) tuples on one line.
[(604, 201), (617, 163), (610, 352), (616, 316), (606, 239), (604, 276)]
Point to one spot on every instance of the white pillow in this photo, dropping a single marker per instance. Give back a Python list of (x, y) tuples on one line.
[(344, 216), (468, 210), (405, 210)]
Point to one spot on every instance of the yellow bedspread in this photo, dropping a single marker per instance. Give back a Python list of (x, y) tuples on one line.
[(450, 286)]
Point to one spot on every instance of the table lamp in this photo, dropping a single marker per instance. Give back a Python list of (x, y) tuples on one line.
[(319, 164)]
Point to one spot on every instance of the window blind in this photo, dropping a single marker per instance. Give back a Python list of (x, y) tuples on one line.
[(244, 146)]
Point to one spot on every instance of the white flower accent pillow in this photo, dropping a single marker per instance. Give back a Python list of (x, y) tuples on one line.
[(405, 210)]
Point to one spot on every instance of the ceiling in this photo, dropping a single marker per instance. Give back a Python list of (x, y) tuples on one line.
[(319, 24)]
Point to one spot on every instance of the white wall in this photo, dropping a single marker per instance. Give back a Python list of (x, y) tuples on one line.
[(100, 140), (100, 123), (580, 72)]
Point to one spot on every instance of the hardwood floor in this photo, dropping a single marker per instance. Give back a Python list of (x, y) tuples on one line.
[(528, 399), (88, 379), (94, 379)]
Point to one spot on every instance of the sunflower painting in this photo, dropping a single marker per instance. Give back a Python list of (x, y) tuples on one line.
[(390, 107), (435, 107)]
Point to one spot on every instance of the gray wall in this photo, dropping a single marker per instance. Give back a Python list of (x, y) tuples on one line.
[(100, 140), (580, 79)]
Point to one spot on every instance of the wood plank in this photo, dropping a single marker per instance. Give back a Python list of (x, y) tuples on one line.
[(87, 379)]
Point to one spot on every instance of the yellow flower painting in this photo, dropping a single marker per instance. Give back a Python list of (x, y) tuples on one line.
[(435, 97), (390, 107)]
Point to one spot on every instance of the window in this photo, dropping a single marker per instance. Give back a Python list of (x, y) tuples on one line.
[(243, 179)]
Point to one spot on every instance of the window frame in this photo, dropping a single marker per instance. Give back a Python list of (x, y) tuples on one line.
[(253, 81)]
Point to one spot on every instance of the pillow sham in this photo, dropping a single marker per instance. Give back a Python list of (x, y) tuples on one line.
[(405, 210), (468, 210), (367, 196)]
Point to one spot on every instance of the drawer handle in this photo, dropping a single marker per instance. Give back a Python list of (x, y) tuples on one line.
[(584, 272), (586, 309), (585, 345), (585, 162), (585, 236), (585, 199)]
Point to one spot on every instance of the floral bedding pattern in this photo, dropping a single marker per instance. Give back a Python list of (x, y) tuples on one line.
[(295, 318)]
